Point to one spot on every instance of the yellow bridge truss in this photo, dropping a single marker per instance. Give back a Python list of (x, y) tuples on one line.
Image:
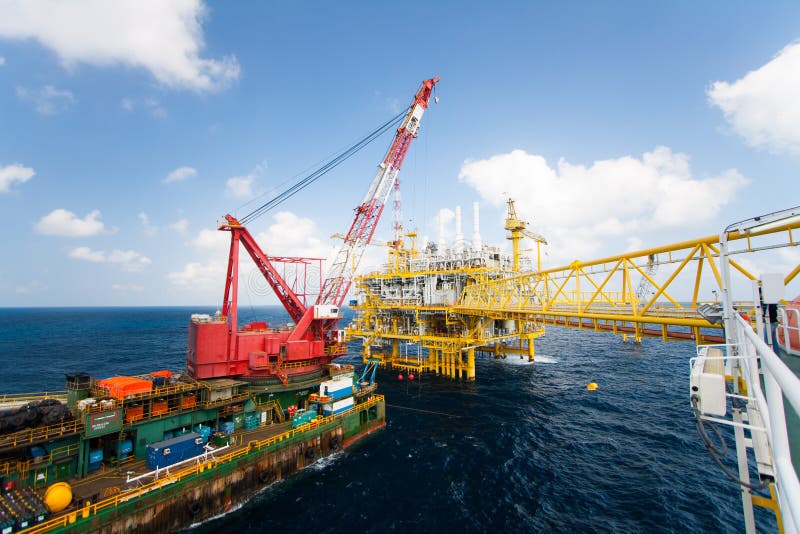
[(635, 295), (601, 294)]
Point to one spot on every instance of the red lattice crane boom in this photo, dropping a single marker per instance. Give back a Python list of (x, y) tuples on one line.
[(368, 213), (218, 347)]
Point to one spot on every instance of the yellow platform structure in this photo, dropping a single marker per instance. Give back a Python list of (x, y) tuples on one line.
[(434, 310)]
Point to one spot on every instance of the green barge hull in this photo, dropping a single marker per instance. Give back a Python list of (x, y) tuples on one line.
[(193, 493)]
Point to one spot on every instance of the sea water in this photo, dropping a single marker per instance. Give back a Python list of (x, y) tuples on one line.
[(524, 448)]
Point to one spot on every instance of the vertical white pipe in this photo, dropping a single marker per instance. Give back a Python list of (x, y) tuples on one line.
[(441, 243), (476, 227), (459, 241)]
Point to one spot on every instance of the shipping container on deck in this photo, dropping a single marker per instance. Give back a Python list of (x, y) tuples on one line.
[(159, 408), (170, 451), (337, 406), (337, 388), (120, 387)]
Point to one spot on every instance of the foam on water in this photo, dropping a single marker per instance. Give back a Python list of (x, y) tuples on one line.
[(514, 359)]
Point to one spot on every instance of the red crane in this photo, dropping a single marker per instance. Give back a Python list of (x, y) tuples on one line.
[(219, 348)]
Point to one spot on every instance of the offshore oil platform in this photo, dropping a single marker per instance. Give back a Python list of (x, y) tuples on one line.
[(415, 300)]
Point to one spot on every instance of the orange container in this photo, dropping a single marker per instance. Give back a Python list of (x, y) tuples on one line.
[(188, 402), (163, 374), (134, 413), (120, 387), (159, 408)]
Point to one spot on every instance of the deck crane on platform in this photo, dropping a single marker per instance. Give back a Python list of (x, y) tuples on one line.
[(219, 348), (519, 229)]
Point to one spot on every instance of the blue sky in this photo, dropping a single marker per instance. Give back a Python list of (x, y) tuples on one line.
[(615, 125)]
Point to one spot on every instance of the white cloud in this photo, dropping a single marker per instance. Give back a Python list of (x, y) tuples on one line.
[(180, 226), (763, 106), (166, 38), (87, 254), (212, 240), (575, 206), (240, 186), (209, 273), (128, 260), (2, 61), (150, 104), (149, 229), (199, 276), (65, 223), (442, 222), (48, 100), (14, 173), (180, 174), (289, 235)]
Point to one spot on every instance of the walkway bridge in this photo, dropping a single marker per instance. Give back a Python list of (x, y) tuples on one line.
[(602, 294)]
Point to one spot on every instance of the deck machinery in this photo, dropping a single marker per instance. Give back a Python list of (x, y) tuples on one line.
[(413, 303)]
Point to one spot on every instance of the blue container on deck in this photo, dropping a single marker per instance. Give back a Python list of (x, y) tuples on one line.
[(227, 427), (96, 456), (252, 421), (302, 417), (125, 449), (340, 393), (170, 451), (204, 431)]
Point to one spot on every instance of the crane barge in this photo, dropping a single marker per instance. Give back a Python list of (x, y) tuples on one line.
[(218, 348), (160, 451)]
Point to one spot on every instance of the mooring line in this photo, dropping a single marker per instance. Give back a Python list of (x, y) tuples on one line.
[(421, 411)]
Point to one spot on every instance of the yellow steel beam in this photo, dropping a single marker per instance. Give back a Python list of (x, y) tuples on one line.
[(791, 275), (697, 281), (669, 281), (709, 257), (734, 264), (654, 283)]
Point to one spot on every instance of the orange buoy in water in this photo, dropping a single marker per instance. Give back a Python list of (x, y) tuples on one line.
[(400, 376), (411, 376), (592, 386)]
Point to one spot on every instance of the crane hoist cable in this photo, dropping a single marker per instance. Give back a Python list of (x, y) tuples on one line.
[(319, 171)]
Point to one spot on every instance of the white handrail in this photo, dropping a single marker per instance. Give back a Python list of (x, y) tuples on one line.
[(779, 380), (783, 324)]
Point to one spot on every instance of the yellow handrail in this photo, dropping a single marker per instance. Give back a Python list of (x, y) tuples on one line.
[(229, 400), (115, 500), (30, 397), (41, 433)]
